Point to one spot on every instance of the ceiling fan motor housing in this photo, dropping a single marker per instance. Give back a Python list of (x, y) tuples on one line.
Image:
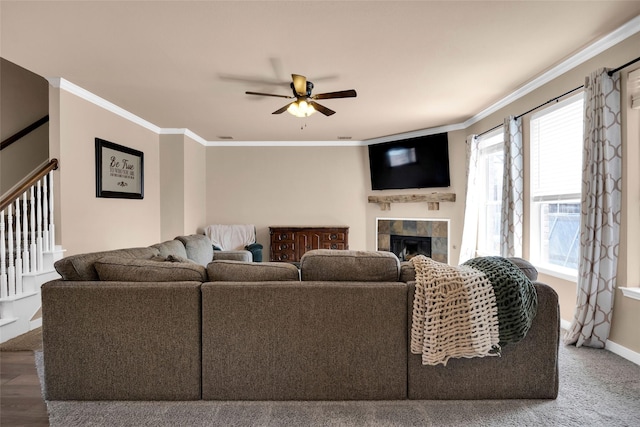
[(309, 89)]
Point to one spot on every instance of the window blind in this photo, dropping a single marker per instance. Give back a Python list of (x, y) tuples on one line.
[(556, 151)]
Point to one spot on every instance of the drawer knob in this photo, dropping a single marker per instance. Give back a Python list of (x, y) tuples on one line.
[(334, 246)]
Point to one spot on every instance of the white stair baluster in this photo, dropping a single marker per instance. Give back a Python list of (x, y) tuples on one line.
[(32, 225), (52, 231), (45, 216), (11, 271), (25, 241), (18, 248), (39, 259), (4, 292)]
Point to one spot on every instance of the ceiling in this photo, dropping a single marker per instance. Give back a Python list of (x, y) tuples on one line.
[(415, 64)]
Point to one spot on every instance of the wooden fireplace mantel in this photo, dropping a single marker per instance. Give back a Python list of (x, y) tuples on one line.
[(433, 200)]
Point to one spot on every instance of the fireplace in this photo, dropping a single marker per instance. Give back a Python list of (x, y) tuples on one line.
[(406, 247), (407, 237)]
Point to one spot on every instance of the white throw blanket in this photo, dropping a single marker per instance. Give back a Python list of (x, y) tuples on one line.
[(231, 237), (454, 313)]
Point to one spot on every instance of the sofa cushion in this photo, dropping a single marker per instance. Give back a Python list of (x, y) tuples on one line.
[(116, 269), (239, 271), (408, 273), (171, 247), (358, 266), (198, 248), (80, 267), (527, 268), (233, 256)]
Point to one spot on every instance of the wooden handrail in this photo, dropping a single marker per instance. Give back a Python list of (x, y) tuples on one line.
[(11, 197), (16, 136)]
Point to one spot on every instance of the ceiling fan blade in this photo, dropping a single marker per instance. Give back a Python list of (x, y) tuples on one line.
[(351, 93), (300, 84), (283, 109), (268, 94), (324, 110)]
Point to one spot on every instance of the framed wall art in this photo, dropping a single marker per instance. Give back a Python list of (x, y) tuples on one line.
[(119, 171)]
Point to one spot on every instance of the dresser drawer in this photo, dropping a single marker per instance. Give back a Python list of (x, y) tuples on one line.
[(334, 245), (333, 237), (288, 256), (284, 236)]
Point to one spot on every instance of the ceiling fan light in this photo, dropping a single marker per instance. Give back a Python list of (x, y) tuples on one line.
[(301, 109), (294, 109)]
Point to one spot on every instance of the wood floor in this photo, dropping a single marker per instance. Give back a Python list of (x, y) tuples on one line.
[(21, 402)]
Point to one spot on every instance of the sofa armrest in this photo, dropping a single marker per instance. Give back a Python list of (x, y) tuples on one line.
[(525, 370), (121, 340)]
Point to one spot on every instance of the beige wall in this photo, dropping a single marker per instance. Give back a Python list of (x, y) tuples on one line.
[(195, 186), (182, 202), (626, 319), (269, 186), (85, 223), (171, 186), (24, 100)]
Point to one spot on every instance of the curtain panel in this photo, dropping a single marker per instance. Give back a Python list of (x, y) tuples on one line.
[(600, 211), (512, 212), (470, 227)]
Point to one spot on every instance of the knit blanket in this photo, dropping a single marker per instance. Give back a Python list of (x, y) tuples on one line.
[(471, 310)]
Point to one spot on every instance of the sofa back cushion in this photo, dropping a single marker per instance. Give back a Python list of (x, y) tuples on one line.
[(81, 267), (408, 272), (198, 248), (239, 271), (171, 248), (117, 269), (355, 266)]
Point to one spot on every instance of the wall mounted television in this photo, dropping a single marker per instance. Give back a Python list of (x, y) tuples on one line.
[(420, 162)]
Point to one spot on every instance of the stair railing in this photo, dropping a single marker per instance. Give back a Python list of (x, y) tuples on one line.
[(27, 229)]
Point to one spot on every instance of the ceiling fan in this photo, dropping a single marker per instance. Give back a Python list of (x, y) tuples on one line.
[(304, 104)]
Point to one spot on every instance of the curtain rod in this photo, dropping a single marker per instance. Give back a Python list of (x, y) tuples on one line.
[(615, 70), (610, 73)]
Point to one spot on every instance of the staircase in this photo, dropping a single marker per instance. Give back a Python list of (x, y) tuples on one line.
[(27, 251)]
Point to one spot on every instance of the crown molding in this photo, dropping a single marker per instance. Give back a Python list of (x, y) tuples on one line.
[(625, 31), (185, 132), (76, 90), (285, 143), (415, 134)]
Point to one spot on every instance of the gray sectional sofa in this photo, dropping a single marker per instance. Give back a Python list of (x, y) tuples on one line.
[(169, 323)]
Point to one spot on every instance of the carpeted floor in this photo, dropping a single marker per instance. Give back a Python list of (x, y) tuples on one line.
[(597, 388), (31, 341)]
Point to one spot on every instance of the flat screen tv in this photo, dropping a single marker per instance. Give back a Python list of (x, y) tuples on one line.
[(420, 162)]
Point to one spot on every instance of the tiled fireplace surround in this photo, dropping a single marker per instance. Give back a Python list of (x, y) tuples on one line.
[(437, 230)]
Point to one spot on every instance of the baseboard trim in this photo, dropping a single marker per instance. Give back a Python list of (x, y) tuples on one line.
[(613, 347), (622, 351)]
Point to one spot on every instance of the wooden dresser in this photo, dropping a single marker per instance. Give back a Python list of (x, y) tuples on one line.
[(290, 243)]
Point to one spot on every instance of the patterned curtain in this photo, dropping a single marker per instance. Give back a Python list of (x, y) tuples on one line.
[(511, 216), (600, 211), (471, 207)]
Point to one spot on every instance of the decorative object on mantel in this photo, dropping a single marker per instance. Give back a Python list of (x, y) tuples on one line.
[(433, 200)]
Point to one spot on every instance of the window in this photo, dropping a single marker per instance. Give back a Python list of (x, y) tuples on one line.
[(490, 173), (556, 180)]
